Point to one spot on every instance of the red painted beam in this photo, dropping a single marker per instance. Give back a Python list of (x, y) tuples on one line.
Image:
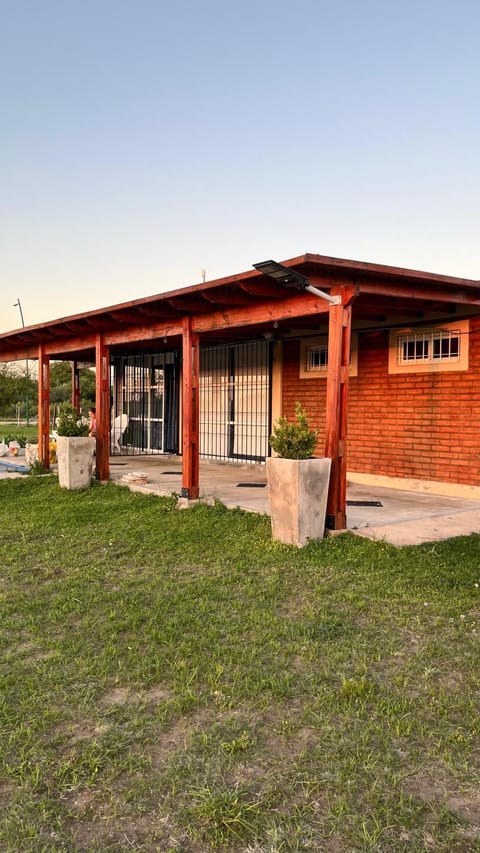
[(150, 332), (190, 411), (102, 404), (339, 337), (298, 305), (43, 407), (75, 386), (420, 292)]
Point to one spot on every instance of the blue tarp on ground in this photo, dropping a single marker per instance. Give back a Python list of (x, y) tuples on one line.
[(13, 468)]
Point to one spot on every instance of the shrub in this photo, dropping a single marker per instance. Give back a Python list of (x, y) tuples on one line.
[(295, 440), (69, 423)]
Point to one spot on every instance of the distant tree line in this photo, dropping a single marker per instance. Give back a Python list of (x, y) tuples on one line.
[(19, 389)]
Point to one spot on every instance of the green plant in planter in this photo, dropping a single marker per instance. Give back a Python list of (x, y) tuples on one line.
[(294, 440), (69, 423)]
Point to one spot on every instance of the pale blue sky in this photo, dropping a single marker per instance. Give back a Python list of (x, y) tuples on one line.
[(143, 142)]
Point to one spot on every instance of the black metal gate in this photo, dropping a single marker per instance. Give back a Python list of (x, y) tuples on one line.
[(235, 401), (145, 402)]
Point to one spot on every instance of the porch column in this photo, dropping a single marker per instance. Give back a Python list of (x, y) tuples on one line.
[(190, 410), (102, 405), (43, 407), (75, 387), (339, 335)]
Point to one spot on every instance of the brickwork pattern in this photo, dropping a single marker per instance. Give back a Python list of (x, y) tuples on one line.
[(422, 426)]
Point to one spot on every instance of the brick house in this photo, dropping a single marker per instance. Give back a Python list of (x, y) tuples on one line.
[(385, 360)]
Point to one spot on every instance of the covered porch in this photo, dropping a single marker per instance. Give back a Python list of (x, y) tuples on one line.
[(308, 296)]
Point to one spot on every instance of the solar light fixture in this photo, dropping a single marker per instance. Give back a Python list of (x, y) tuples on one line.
[(291, 278)]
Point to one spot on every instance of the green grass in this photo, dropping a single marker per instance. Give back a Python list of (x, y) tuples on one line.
[(175, 681), (20, 432)]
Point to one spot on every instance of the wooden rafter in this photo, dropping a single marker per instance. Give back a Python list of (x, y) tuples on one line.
[(190, 305), (128, 318), (263, 289), (228, 298), (163, 312)]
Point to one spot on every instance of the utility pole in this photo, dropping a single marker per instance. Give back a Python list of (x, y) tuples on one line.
[(18, 305)]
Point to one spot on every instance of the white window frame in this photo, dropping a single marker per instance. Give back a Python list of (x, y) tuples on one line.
[(308, 346), (419, 349)]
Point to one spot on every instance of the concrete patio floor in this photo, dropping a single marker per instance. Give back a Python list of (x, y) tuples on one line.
[(402, 518)]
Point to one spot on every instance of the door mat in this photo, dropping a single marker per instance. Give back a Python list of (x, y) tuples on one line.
[(251, 485), (364, 503)]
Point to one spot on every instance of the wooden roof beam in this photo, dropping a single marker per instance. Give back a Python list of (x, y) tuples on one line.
[(166, 311), (297, 305), (263, 288), (130, 317), (228, 298), (390, 309), (19, 354), (425, 294), (190, 304), (142, 333), (100, 324), (80, 344)]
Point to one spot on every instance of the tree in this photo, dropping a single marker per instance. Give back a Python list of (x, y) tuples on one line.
[(17, 388), (61, 384)]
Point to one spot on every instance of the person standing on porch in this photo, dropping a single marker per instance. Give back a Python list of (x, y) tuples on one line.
[(92, 428)]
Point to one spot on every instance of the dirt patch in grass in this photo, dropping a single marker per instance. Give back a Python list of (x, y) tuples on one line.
[(145, 832), (464, 805), (178, 735), (157, 694), (81, 730), (29, 652), (121, 696)]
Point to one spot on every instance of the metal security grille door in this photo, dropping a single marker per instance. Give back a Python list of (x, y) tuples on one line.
[(146, 390), (235, 401)]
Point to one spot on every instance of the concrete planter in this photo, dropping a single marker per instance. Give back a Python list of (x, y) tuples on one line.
[(31, 452), (75, 461), (297, 493)]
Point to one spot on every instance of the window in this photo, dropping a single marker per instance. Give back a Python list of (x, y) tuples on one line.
[(437, 345), (431, 349), (314, 357)]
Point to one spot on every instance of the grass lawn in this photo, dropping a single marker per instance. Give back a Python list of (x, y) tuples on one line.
[(21, 432), (174, 681)]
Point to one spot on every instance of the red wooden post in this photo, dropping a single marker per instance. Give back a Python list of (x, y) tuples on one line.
[(339, 335), (75, 386), (43, 407), (102, 405), (190, 411)]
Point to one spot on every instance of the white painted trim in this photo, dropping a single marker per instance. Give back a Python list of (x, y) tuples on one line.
[(322, 342), (442, 366)]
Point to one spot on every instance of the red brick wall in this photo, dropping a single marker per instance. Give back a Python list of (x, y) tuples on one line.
[(424, 426)]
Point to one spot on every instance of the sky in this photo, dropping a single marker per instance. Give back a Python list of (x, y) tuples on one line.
[(145, 142)]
